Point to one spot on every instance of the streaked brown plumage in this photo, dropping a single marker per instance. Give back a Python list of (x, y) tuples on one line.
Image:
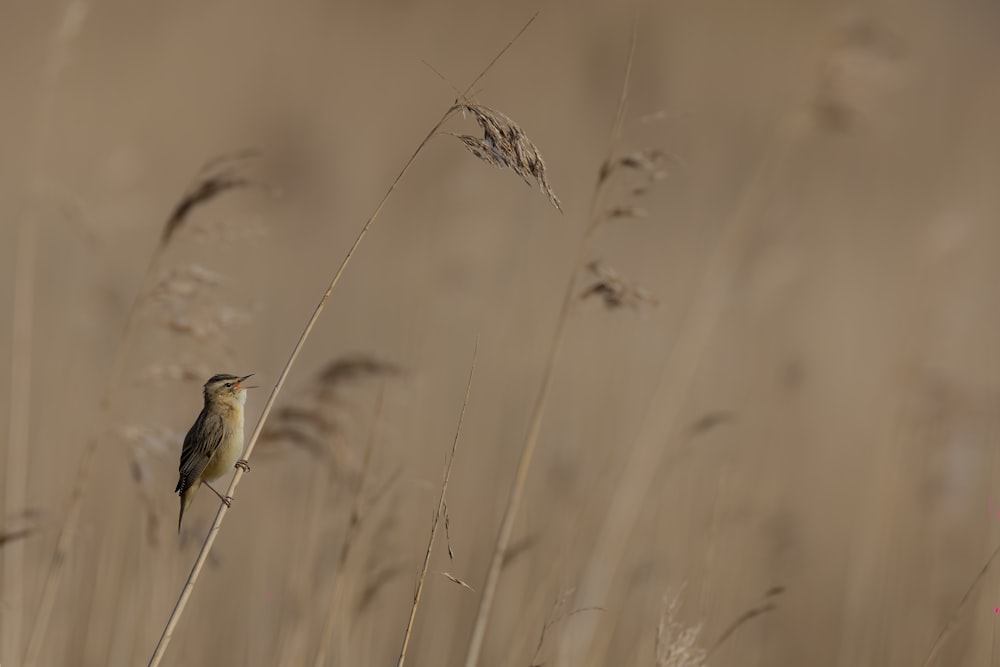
[(214, 444)]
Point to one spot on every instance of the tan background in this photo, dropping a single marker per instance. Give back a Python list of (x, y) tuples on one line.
[(829, 253)]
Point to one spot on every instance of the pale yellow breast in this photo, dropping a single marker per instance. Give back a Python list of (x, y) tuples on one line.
[(231, 448)]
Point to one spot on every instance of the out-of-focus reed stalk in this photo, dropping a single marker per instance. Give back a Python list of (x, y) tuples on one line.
[(535, 170), (595, 219)]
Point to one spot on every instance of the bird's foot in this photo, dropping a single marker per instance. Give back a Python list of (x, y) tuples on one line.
[(243, 465), (228, 500)]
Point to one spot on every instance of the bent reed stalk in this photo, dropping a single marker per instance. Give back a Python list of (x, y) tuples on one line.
[(67, 531), (213, 532)]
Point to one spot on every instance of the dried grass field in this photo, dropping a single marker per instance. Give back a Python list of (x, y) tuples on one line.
[(737, 403)]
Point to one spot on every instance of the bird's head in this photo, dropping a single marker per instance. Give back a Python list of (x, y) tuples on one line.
[(227, 388)]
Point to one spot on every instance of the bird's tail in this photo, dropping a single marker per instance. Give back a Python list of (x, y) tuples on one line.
[(187, 495)]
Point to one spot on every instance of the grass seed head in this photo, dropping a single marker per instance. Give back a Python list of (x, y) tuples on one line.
[(218, 176), (316, 419), (615, 290), (677, 644), (505, 146)]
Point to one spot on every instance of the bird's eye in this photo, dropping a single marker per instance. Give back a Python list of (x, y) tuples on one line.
[(229, 384)]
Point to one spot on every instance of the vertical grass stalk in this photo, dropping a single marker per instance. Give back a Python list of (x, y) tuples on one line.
[(68, 28), (438, 511), (542, 398), (350, 535), (680, 371), (213, 532)]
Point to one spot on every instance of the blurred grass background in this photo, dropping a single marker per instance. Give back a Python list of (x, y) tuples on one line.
[(856, 146)]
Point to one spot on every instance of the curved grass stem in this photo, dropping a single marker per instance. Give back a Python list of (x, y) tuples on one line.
[(213, 532)]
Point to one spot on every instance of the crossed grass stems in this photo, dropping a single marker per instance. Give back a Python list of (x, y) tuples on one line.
[(503, 144)]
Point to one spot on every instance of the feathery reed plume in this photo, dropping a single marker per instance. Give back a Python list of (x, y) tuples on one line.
[(677, 643), (186, 294), (312, 421), (646, 167), (217, 176), (644, 462), (438, 512), (178, 285), (614, 290), (186, 304), (505, 532), (206, 549), (351, 369), (505, 146), (650, 162), (67, 531)]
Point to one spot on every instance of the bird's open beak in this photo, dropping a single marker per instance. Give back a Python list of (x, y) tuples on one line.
[(239, 383)]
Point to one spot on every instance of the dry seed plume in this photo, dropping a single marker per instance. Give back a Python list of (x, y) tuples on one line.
[(182, 283), (206, 549), (310, 421), (676, 643), (218, 176), (614, 290), (505, 146), (354, 367), (651, 161), (622, 212), (647, 167)]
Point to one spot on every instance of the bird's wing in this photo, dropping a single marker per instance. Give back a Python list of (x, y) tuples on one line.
[(200, 445)]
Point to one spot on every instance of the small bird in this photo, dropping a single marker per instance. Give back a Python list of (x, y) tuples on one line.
[(215, 442)]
